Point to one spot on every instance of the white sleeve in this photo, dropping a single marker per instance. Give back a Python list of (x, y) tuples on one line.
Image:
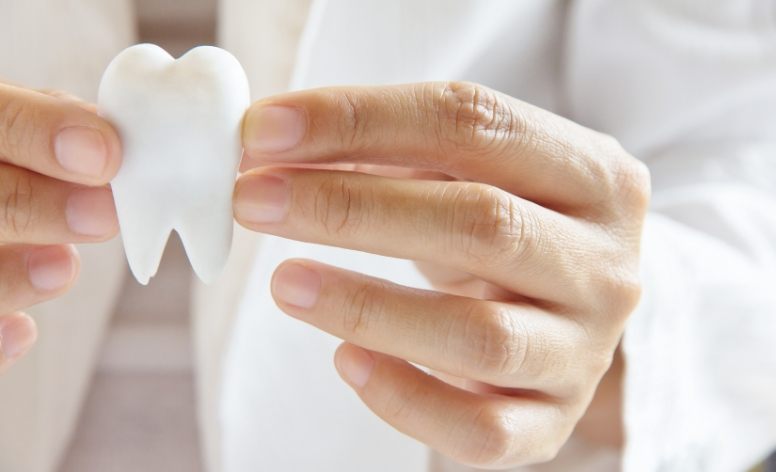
[(700, 388), (690, 87)]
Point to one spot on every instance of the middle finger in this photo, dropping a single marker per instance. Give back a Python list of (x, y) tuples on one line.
[(35, 209), (472, 227)]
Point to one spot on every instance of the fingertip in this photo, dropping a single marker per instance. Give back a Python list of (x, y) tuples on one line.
[(87, 146), (296, 285), (53, 269), (338, 353), (354, 364), (271, 128), (261, 198), (91, 212), (76, 258), (113, 148), (114, 151), (18, 332)]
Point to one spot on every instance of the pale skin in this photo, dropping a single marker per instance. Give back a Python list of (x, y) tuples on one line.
[(527, 226), (56, 157)]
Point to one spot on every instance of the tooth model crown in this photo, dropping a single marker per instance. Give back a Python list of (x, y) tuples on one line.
[(179, 122)]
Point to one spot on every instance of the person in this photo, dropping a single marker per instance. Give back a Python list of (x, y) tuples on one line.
[(531, 231)]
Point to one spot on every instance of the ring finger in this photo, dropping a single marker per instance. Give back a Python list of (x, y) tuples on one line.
[(497, 343)]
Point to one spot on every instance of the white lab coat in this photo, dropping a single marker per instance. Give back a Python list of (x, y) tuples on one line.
[(686, 85), (689, 87)]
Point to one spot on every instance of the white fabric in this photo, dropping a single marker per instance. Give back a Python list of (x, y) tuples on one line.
[(283, 405), (268, 62), (270, 420), (687, 86)]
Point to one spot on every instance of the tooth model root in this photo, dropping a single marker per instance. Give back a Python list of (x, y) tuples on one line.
[(179, 122), (208, 249), (143, 248)]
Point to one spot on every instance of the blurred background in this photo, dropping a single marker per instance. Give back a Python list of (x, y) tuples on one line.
[(140, 413)]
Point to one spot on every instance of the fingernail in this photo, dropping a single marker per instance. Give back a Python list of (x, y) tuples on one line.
[(91, 212), (50, 268), (274, 128), (81, 150), (262, 199), (355, 364), (296, 285), (16, 336)]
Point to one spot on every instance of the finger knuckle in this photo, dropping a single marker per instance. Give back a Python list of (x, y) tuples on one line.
[(17, 210), (491, 227), (362, 306), (400, 404), (472, 116), (493, 437), (354, 120), (635, 184), (501, 439), (628, 178), (598, 361), (15, 133), (336, 207), (499, 344), (623, 292)]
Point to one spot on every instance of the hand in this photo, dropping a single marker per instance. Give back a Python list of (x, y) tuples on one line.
[(56, 154), (528, 225)]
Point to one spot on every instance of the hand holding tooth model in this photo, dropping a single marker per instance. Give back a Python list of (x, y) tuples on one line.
[(56, 157), (180, 125), (527, 225)]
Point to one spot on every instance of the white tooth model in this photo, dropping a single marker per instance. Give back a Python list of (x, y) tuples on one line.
[(179, 122)]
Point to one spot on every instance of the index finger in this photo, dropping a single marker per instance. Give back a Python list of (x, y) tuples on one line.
[(465, 130), (56, 137)]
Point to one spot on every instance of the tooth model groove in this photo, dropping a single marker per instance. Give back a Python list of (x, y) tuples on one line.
[(179, 122)]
